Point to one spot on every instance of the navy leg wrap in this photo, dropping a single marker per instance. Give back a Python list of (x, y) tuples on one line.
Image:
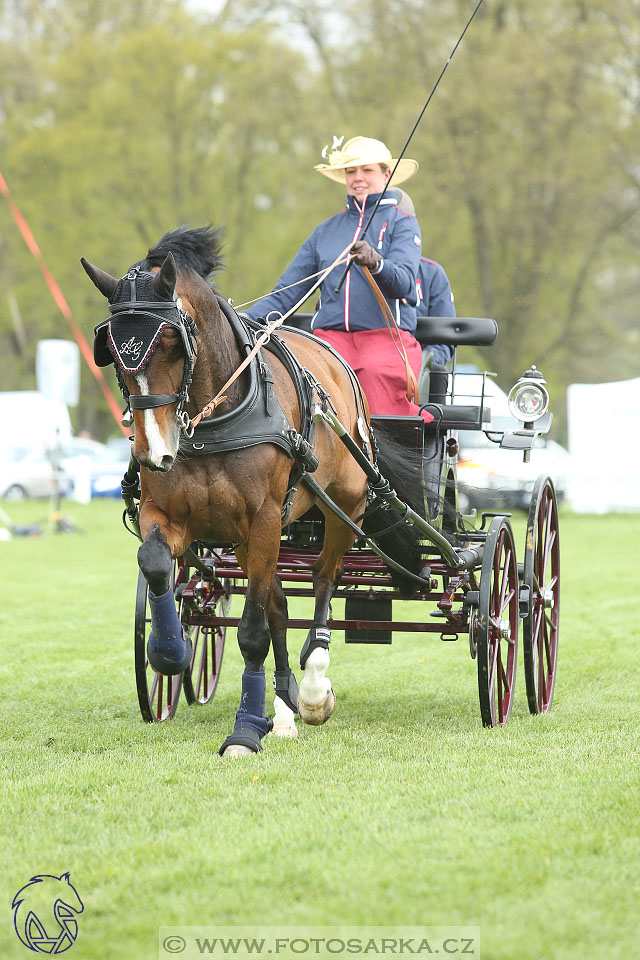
[(169, 652), (251, 723), (318, 636)]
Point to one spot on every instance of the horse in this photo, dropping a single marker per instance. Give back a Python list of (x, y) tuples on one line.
[(175, 345)]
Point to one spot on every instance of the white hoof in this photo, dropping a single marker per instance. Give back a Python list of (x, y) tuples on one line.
[(316, 699), (237, 750), (284, 720)]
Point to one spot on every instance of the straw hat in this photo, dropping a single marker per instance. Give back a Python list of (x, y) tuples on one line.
[(360, 151)]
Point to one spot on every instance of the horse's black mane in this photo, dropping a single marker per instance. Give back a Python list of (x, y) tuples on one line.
[(196, 249)]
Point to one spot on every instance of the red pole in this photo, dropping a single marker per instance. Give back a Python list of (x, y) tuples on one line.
[(62, 304)]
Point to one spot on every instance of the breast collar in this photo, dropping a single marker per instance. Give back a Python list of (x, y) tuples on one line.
[(258, 418)]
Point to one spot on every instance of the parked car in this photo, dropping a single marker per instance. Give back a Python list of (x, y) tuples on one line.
[(107, 473), (35, 471), (493, 478)]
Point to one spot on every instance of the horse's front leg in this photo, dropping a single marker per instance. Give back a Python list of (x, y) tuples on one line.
[(169, 650), (259, 561)]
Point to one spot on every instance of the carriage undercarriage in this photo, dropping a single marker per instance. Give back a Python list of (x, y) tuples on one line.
[(471, 580)]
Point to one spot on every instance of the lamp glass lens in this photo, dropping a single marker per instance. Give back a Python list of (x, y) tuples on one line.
[(529, 401)]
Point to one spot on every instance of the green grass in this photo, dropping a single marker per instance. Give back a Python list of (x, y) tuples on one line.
[(402, 810)]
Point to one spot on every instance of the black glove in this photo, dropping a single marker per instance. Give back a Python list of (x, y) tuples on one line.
[(364, 255)]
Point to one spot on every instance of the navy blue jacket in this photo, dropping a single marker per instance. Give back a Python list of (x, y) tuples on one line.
[(435, 299), (393, 233)]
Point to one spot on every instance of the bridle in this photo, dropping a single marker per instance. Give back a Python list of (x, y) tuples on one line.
[(115, 341)]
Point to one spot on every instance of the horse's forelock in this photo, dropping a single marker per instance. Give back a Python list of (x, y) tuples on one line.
[(198, 250)]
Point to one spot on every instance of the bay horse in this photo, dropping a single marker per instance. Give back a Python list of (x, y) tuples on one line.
[(167, 328)]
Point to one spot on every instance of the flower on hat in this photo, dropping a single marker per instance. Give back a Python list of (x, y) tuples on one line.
[(335, 149)]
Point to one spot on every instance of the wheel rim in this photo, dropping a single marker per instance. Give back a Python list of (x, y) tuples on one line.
[(157, 695), (542, 579), (497, 625)]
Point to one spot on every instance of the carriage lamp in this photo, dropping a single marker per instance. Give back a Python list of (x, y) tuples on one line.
[(529, 398)]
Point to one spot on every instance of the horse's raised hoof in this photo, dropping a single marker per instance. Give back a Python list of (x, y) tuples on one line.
[(317, 713), (316, 698), (284, 720), (165, 665)]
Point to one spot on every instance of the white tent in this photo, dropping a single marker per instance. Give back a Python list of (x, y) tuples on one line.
[(604, 440)]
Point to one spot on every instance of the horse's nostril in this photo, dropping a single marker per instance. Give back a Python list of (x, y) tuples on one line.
[(166, 462)]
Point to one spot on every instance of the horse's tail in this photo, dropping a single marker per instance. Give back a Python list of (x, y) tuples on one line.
[(403, 542)]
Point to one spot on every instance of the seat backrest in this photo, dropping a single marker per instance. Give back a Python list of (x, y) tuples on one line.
[(457, 331)]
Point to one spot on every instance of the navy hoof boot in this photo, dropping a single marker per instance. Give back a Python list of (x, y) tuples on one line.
[(169, 648), (165, 664)]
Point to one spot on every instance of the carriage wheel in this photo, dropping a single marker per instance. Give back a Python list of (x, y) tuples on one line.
[(157, 695), (541, 578), (497, 624), (201, 681)]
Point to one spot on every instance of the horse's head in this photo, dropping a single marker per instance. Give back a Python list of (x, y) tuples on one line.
[(151, 339)]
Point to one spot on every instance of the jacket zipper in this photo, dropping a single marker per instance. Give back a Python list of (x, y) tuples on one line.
[(347, 285)]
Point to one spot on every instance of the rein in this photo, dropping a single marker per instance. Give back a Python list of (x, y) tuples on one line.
[(412, 383)]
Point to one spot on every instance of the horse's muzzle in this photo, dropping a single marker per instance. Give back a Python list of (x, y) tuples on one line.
[(164, 466)]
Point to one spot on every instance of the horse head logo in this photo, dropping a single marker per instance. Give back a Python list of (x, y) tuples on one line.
[(44, 913)]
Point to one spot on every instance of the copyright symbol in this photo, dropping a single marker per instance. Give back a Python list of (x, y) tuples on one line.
[(174, 944)]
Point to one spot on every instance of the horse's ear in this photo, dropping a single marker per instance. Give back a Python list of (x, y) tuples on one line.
[(165, 280), (105, 283)]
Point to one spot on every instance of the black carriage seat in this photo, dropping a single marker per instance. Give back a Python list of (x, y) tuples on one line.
[(433, 380), (455, 332)]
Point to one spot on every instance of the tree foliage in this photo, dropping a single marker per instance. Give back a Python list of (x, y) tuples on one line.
[(119, 122)]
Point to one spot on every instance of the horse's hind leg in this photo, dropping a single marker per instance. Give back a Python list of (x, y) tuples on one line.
[(316, 698), (285, 704)]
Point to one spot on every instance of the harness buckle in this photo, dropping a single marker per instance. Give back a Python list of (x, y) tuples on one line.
[(185, 424)]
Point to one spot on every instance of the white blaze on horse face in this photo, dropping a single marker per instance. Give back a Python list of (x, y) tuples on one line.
[(157, 444)]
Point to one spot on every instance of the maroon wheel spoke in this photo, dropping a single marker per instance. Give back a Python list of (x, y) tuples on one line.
[(508, 600), (547, 553), (506, 566), (547, 650), (500, 685), (495, 655)]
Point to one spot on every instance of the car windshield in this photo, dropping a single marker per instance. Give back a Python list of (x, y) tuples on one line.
[(15, 454)]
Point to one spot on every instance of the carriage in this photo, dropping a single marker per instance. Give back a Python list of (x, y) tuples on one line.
[(485, 600), (335, 512)]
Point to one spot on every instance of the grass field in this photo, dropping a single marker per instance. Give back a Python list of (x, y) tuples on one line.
[(402, 810)]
